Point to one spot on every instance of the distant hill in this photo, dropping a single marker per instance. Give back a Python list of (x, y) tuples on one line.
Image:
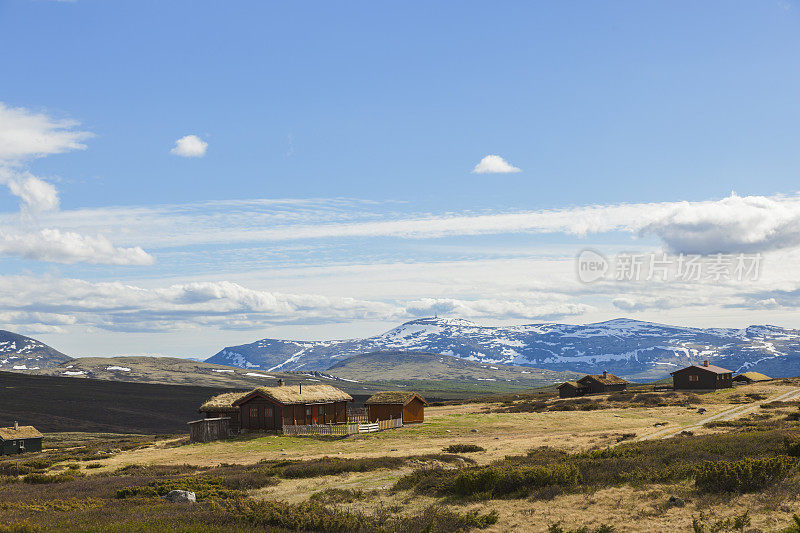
[(18, 352), (632, 349), (400, 366)]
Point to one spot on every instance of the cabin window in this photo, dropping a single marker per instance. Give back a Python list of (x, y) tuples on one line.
[(694, 377), (308, 411), (254, 412), (268, 412)]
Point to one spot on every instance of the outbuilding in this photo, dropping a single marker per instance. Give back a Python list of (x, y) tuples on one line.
[(20, 439), (702, 377), (571, 389), (390, 405), (221, 406), (751, 377)]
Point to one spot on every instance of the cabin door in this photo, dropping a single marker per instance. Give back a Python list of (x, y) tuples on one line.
[(315, 414)]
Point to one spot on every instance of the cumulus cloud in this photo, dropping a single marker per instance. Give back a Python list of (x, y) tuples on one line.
[(66, 247), (190, 146), (733, 224), (494, 164)]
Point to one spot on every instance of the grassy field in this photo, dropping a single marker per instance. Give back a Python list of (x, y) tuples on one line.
[(550, 470)]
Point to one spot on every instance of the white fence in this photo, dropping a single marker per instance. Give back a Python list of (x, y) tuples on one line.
[(342, 429)]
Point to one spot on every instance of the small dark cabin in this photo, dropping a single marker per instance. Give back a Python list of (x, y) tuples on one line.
[(592, 384), (703, 377), (390, 405), (292, 405), (571, 389), (20, 439), (221, 406)]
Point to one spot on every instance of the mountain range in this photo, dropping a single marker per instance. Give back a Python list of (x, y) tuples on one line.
[(629, 348)]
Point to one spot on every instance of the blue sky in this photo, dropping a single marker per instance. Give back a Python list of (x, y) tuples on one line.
[(366, 120)]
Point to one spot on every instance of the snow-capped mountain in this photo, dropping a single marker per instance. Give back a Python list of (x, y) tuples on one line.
[(629, 348), (18, 352)]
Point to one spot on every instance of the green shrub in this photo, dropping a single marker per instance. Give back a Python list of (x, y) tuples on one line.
[(333, 496), (747, 475), (204, 488), (463, 448), (40, 479)]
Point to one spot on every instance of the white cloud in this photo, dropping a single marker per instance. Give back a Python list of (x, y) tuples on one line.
[(494, 164), (36, 195), (66, 247), (25, 135), (190, 146), (733, 224)]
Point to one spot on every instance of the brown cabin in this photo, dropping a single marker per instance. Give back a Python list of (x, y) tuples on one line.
[(390, 405), (20, 439), (292, 405), (592, 384), (705, 376)]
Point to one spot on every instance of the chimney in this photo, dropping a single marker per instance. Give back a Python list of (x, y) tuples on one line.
[(301, 388), (605, 374), (16, 425), (280, 382), (705, 363)]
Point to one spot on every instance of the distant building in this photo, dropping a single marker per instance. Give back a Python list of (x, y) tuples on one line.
[(592, 384), (391, 405), (751, 377), (19, 439), (704, 377)]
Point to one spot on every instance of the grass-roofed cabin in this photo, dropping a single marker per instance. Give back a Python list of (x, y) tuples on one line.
[(390, 405), (221, 406), (592, 384), (751, 377), (20, 439), (292, 405), (705, 377)]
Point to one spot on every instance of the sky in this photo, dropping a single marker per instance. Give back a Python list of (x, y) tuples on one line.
[(176, 177)]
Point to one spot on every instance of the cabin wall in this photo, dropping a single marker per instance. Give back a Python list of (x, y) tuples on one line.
[(697, 379), (414, 411), (384, 411), (260, 413), (235, 424), (15, 446)]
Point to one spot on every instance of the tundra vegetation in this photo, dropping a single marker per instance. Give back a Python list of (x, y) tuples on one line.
[(729, 475)]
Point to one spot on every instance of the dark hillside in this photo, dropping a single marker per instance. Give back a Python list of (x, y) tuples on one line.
[(66, 404)]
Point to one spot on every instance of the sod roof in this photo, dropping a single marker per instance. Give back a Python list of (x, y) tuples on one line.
[(23, 432), (393, 397)]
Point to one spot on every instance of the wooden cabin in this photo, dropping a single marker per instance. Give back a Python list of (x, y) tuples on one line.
[(703, 377), (390, 405), (20, 439), (571, 389), (592, 384), (221, 406), (292, 405), (751, 377)]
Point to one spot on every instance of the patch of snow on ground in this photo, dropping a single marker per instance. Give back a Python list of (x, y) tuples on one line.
[(74, 373), (257, 375), (221, 370), (20, 367), (120, 368)]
